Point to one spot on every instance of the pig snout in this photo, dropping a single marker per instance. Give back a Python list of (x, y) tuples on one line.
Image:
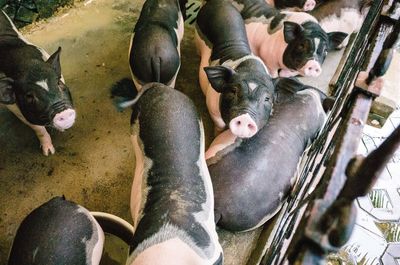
[(243, 126), (309, 5), (64, 119), (311, 68)]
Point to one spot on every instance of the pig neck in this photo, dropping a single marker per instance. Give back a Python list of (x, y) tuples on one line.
[(268, 47), (230, 50)]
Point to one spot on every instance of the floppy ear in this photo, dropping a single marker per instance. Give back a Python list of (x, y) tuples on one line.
[(54, 61), (335, 39), (219, 76), (7, 95), (291, 30)]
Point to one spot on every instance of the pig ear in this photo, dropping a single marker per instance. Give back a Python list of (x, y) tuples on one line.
[(335, 39), (219, 76), (291, 30), (7, 95), (54, 61)]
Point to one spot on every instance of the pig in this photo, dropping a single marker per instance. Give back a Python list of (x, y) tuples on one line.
[(172, 202), (297, 5), (32, 86), (154, 53), (252, 177), (59, 232), (342, 15), (289, 43), (236, 84)]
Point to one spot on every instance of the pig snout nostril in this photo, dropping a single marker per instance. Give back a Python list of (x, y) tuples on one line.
[(250, 126), (238, 123)]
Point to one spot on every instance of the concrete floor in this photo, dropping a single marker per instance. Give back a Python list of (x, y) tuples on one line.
[(94, 161)]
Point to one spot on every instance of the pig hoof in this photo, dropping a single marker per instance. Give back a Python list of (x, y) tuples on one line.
[(48, 147)]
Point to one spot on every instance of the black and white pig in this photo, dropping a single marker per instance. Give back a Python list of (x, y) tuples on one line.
[(289, 43), (237, 86), (172, 202), (59, 232), (252, 177), (31, 85), (154, 54), (296, 5), (342, 15)]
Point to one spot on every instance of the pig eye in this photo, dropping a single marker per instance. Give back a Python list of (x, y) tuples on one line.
[(30, 98), (267, 99)]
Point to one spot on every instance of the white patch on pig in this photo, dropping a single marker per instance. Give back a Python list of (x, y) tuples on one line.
[(234, 64), (179, 35), (252, 86), (299, 17), (316, 43), (164, 235), (34, 254), (94, 245), (139, 186), (206, 217), (40, 131), (349, 21), (43, 84)]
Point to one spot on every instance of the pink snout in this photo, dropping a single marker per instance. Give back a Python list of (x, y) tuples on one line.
[(311, 68), (243, 126), (309, 5), (64, 120)]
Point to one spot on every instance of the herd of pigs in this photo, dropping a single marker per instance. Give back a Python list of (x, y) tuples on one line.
[(264, 119)]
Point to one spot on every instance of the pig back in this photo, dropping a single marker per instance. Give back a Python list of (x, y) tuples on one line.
[(179, 198), (251, 181)]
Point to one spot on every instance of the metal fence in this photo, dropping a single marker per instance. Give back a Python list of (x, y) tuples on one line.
[(319, 216)]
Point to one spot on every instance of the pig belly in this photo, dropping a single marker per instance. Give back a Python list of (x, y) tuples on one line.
[(171, 252)]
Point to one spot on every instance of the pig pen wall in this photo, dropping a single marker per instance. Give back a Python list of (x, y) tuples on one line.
[(94, 161)]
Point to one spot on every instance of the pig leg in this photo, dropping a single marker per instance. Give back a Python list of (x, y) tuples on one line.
[(41, 132), (288, 73), (221, 142)]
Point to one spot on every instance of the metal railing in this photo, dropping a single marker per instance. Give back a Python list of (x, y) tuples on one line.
[(319, 215)]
